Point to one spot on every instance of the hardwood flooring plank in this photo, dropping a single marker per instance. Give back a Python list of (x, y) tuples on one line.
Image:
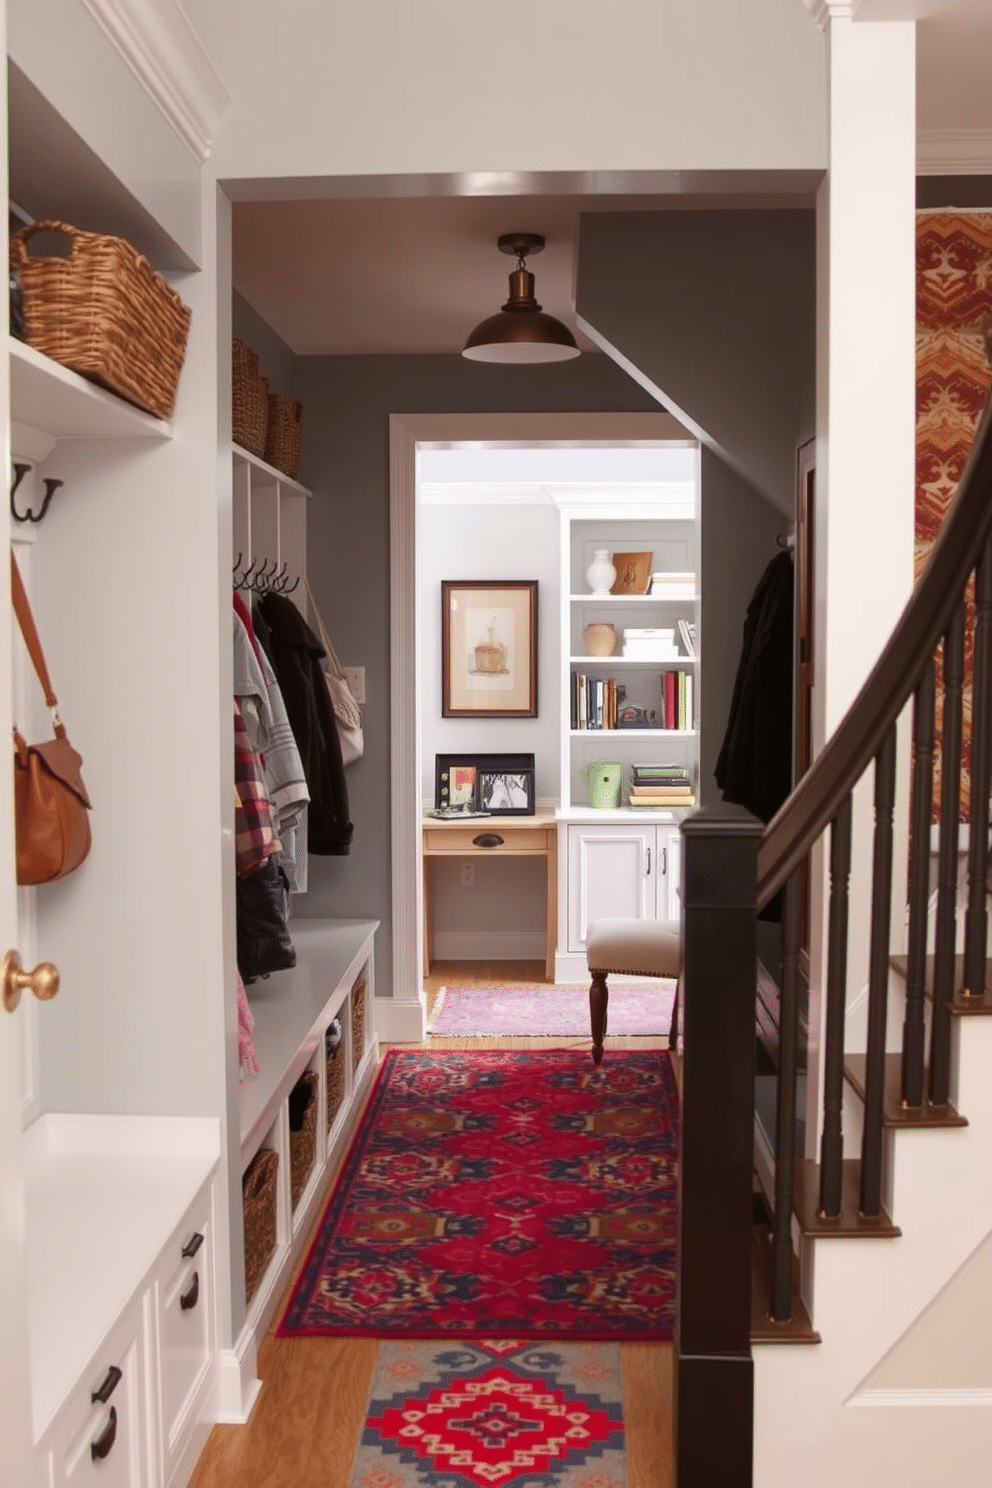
[(646, 1373)]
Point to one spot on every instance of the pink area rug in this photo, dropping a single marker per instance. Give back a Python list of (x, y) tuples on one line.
[(551, 1012)]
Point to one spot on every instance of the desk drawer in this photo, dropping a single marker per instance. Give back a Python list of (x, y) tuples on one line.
[(461, 840)]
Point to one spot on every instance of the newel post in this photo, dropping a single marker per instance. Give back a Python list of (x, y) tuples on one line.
[(714, 1381)]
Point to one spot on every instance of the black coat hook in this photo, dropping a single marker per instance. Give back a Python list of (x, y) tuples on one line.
[(51, 486)]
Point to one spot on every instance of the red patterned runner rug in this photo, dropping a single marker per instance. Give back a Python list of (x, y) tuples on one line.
[(504, 1195), (491, 1415)]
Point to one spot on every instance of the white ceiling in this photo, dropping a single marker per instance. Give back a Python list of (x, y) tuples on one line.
[(414, 274)]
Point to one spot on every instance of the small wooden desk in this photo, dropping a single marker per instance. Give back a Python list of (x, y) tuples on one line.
[(519, 837)]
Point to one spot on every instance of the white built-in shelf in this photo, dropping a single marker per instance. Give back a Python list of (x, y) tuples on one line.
[(621, 813), (103, 1194), (637, 661), (270, 470), (49, 402), (634, 599), (633, 733), (291, 1010)]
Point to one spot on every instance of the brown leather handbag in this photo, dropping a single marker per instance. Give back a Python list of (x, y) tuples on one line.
[(51, 806)]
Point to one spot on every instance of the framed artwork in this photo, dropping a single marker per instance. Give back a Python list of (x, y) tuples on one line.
[(484, 784), (489, 648)]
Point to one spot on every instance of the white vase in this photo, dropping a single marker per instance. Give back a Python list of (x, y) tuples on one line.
[(600, 574)]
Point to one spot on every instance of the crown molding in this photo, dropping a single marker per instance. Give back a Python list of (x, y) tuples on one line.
[(825, 11), (954, 152), (166, 56)]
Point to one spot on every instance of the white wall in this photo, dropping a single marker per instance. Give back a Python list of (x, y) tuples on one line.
[(491, 542), (570, 85)]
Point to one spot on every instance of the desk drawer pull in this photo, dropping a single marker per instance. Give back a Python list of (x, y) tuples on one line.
[(104, 1442), (488, 839)]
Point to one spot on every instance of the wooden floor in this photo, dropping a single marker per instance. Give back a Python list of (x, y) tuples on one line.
[(306, 1424)]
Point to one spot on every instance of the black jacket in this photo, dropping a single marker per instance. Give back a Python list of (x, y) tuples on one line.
[(755, 764), (296, 660)]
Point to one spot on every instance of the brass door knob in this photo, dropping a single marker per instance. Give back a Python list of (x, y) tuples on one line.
[(43, 981)]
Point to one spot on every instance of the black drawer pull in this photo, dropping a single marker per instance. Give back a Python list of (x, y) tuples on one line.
[(192, 1245), (113, 1379), (488, 839), (100, 1448), (189, 1299)]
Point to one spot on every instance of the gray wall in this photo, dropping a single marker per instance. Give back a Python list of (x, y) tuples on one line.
[(346, 406), (716, 310), (275, 359), (737, 542)]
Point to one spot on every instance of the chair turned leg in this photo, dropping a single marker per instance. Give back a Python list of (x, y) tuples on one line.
[(599, 996)]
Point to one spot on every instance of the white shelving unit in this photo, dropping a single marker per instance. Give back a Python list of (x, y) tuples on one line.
[(625, 861), (293, 1010)]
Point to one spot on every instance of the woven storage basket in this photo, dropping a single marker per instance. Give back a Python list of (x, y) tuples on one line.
[(303, 1143), (282, 441), (249, 400), (258, 1193), (335, 1083), (358, 1022), (105, 313)]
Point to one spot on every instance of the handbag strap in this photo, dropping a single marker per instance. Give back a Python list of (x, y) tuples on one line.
[(325, 640), (29, 631)]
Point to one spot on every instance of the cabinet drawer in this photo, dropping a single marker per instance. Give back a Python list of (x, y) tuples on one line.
[(101, 1442), (460, 842), (184, 1305)]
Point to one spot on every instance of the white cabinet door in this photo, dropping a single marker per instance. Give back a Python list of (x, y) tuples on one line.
[(15, 1409), (610, 876), (668, 901)]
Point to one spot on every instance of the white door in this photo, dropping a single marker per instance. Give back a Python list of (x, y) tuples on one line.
[(15, 1406), (611, 875)]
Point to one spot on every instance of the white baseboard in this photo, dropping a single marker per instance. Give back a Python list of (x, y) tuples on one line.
[(489, 945), (400, 1020), (238, 1385)]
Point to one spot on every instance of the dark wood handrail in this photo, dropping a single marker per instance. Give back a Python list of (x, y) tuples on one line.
[(814, 803)]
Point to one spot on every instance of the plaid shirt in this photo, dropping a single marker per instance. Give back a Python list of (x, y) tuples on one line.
[(255, 834)]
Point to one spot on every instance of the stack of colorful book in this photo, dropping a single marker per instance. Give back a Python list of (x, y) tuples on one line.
[(667, 786)]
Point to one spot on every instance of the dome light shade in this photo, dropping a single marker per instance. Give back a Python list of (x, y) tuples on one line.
[(521, 332)]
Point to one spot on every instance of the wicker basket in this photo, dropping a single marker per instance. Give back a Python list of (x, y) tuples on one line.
[(104, 312), (358, 1022), (249, 400), (258, 1193), (282, 440), (303, 1143), (335, 1083)]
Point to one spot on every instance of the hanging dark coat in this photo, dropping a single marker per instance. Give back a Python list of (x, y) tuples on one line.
[(754, 768), (296, 660)]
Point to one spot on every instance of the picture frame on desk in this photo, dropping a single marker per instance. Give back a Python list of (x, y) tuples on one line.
[(503, 784), (489, 648)]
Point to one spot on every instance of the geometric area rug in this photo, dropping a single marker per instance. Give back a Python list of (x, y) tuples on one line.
[(493, 1414), (551, 1012), (502, 1194)]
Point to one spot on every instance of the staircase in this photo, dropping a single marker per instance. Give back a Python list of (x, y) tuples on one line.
[(863, 1354)]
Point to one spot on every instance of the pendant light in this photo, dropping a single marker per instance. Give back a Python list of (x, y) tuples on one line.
[(521, 332)]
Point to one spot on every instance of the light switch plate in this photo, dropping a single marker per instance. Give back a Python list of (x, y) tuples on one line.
[(355, 677)]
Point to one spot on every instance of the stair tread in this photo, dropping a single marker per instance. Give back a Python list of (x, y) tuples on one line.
[(894, 1114), (978, 1005), (850, 1223), (798, 1329)]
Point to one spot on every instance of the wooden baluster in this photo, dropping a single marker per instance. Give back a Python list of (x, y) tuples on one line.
[(914, 1028), (947, 863), (785, 1115), (976, 915), (878, 976), (832, 1139)]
